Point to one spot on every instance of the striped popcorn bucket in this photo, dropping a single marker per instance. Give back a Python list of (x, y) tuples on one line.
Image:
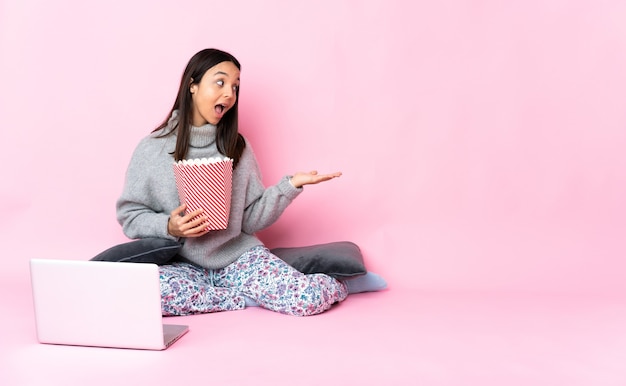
[(206, 183)]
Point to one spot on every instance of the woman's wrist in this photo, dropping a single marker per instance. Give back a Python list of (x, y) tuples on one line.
[(293, 183)]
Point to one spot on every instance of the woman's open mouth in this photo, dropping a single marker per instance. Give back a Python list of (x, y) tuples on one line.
[(220, 109)]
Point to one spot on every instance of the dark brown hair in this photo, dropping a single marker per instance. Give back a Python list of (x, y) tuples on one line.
[(228, 139)]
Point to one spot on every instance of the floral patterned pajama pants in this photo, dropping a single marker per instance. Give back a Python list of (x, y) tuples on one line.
[(189, 289)]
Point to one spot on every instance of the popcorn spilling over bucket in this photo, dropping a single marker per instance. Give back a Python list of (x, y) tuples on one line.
[(206, 183)]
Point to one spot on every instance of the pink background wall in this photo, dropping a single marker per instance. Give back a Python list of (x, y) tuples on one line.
[(482, 142)]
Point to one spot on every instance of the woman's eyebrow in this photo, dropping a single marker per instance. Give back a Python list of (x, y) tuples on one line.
[(222, 73)]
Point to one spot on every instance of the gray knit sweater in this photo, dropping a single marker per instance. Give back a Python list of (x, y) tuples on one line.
[(150, 195)]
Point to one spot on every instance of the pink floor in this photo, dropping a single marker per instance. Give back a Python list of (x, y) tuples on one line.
[(395, 337)]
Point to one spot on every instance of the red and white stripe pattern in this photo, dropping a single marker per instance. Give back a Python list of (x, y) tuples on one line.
[(206, 183)]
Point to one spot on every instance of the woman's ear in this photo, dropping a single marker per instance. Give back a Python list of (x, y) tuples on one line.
[(192, 86)]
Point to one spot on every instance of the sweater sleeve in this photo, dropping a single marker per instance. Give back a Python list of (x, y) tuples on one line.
[(144, 206), (263, 205)]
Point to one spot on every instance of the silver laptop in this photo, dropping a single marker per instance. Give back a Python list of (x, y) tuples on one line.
[(103, 304)]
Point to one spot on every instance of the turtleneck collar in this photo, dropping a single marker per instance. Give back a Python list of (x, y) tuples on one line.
[(202, 136)]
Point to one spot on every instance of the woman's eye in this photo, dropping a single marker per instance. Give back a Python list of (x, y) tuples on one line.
[(220, 83), (236, 87)]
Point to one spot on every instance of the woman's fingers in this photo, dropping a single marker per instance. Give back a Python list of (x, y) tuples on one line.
[(192, 224)]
